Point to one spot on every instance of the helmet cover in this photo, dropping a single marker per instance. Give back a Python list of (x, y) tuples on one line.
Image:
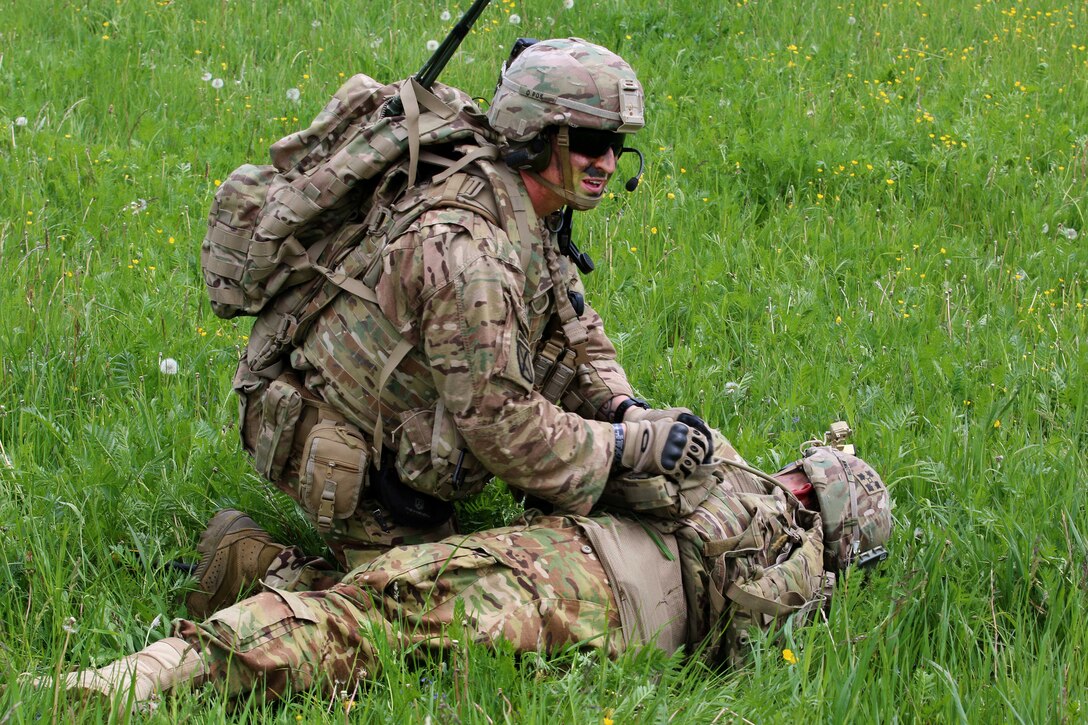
[(566, 82)]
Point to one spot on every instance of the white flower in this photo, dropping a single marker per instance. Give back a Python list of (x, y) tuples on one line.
[(206, 77), (432, 45), (20, 121), (293, 94), (568, 4), (168, 366), (315, 24), (445, 15), (217, 83), (515, 19)]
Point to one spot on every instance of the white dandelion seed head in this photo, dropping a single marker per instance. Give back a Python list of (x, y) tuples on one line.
[(732, 388), (137, 207), (432, 45), (1068, 232), (217, 83), (315, 24), (549, 20), (515, 19), (375, 43), (293, 94), (69, 625), (568, 4), (168, 366), (445, 16), (1046, 228), (206, 77), (851, 20), (20, 121)]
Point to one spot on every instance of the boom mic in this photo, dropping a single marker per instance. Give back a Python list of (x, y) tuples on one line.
[(632, 183)]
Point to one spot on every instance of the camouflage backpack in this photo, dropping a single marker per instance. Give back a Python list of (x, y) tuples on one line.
[(280, 236)]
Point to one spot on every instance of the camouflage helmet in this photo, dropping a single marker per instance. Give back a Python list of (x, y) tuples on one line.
[(565, 82), (854, 504)]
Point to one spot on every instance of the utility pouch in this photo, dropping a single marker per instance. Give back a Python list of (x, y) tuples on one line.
[(433, 458), (280, 408), (660, 496), (333, 473)]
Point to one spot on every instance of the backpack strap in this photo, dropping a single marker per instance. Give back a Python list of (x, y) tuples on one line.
[(413, 96)]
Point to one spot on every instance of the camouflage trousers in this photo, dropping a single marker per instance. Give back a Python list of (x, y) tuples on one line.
[(538, 586)]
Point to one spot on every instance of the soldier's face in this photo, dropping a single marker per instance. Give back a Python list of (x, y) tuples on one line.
[(591, 173)]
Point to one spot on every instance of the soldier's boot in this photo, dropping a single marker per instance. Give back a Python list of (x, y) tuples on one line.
[(235, 554), (135, 681)]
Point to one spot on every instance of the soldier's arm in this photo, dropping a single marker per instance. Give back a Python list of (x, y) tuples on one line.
[(475, 337), (602, 382)]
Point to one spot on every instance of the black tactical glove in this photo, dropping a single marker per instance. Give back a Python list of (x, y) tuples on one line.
[(661, 447), (635, 414)]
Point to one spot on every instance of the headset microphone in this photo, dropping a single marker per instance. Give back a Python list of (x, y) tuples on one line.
[(632, 183)]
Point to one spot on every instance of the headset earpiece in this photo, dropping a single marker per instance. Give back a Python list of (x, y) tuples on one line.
[(533, 155)]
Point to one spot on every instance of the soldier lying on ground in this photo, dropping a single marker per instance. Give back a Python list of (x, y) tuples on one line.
[(750, 555)]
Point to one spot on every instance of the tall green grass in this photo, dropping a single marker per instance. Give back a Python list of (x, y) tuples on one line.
[(871, 210)]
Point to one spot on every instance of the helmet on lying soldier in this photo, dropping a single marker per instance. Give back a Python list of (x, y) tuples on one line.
[(853, 501)]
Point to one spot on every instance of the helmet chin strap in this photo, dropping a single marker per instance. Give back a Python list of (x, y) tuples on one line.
[(566, 192)]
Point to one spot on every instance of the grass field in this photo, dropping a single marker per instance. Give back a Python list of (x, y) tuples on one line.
[(870, 210)]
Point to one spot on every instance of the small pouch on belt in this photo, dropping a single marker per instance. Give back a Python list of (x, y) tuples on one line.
[(281, 405), (333, 472)]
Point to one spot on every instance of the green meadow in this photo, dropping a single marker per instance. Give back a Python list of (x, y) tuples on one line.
[(863, 210)]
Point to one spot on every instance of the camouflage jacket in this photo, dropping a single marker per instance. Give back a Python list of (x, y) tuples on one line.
[(475, 309)]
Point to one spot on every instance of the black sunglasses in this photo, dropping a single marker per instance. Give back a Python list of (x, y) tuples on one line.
[(594, 143)]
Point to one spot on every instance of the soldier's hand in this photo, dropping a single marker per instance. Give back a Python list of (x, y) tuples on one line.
[(664, 446), (635, 414)]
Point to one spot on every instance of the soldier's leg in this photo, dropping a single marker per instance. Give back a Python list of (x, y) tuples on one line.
[(538, 586)]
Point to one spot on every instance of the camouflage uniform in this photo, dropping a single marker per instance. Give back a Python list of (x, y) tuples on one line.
[(473, 305), (538, 586)]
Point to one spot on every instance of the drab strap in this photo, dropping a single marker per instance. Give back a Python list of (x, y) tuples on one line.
[(402, 348), (349, 284), (573, 329), (756, 603), (509, 189), (227, 296), (484, 152), (413, 95), (299, 203), (223, 268), (225, 238)]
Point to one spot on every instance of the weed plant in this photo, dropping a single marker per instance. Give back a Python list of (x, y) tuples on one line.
[(860, 210)]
